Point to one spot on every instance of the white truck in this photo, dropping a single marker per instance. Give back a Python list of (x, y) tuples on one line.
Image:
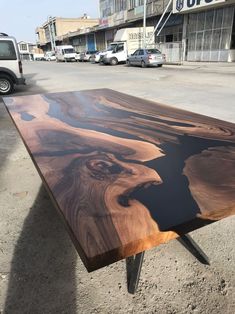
[(65, 53), (126, 41)]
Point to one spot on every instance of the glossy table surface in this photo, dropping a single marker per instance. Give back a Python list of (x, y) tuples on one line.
[(126, 174)]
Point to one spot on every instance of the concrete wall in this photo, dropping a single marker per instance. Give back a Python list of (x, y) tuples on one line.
[(64, 26), (41, 35)]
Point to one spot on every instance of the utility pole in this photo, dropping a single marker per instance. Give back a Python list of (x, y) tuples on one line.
[(161, 18), (144, 25), (52, 39)]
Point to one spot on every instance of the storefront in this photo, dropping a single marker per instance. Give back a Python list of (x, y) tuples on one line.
[(100, 40), (210, 35)]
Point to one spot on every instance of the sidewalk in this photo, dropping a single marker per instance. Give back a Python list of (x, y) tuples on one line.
[(228, 67)]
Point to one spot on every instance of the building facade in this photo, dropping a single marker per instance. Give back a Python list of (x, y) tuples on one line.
[(210, 35), (53, 31), (205, 31), (27, 50)]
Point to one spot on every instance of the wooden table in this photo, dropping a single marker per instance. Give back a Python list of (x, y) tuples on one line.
[(127, 174)]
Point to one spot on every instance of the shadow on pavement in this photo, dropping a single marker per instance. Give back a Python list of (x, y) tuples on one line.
[(42, 277), (8, 134)]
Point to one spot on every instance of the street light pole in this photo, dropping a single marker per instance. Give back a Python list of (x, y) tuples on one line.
[(144, 25)]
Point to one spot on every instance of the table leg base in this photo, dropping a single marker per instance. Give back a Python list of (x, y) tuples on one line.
[(194, 249), (134, 265)]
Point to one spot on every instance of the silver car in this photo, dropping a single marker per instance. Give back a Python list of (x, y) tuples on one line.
[(87, 55), (146, 57)]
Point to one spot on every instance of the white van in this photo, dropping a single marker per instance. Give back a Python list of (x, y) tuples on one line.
[(11, 72), (65, 53)]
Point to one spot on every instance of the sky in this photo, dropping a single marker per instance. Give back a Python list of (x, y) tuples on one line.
[(19, 18)]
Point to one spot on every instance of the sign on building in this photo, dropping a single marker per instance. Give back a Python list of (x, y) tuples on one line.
[(191, 5)]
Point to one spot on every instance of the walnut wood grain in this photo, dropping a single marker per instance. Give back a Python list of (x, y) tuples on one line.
[(125, 173)]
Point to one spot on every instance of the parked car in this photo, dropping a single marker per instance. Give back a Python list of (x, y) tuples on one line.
[(98, 55), (50, 56), (11, 71), (78, 56), (146, 57), (87, 55)]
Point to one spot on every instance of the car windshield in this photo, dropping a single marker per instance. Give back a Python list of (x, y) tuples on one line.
[(69, 50), (112, 47), (153, 51)]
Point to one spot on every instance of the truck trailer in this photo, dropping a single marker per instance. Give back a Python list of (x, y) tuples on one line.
[(126, 41)]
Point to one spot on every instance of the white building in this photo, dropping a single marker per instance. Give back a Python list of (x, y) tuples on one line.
[(26, 50)]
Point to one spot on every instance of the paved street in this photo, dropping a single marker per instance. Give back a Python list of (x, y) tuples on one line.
[(203, 88), (40, 271)]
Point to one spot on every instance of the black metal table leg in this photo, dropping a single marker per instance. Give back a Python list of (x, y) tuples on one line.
[(194, 248), (134, 265)]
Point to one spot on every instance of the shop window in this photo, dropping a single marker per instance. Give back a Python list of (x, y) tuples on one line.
[(200, 21), (225, 39), (159, 39), (216, 39), (192, 23), (191, 42), (207, 40), (212, 36), (199, 41), (218, 18), (228, 15), (209, 19), (169, 38)]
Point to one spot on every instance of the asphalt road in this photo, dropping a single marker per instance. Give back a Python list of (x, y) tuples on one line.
[(40, 271), (203, 88)]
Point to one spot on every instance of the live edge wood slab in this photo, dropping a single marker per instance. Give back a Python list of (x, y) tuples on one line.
[(127, 174)]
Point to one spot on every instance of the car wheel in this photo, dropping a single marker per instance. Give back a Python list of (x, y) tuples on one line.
[(159, 65), (114, 61), (6, 85), (128, 63), (143, 64)]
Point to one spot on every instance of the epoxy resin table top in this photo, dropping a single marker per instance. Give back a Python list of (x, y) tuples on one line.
[(125, 173)]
